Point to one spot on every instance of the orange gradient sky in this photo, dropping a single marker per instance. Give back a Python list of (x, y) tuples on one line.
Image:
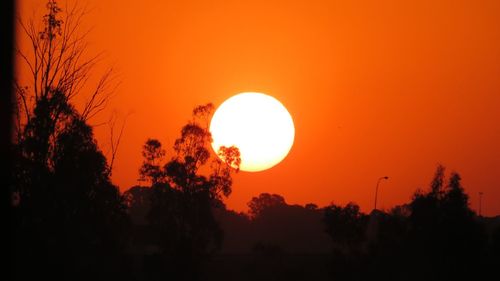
[(375, 88)]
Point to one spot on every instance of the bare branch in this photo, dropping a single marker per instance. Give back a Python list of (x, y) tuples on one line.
[(100, 96), (115, 144), (58, 61)]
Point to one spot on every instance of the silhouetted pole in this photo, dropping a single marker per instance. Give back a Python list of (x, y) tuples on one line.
[(480, 201), (376, 190)]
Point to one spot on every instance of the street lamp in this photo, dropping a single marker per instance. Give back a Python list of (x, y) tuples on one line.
[(376, 190)]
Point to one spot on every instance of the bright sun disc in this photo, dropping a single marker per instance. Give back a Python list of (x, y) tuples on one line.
[(258, 125)]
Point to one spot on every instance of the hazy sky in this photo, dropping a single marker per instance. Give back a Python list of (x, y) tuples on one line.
[(375, 88)]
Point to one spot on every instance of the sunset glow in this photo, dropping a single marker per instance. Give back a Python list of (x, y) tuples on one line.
[(384, 88)]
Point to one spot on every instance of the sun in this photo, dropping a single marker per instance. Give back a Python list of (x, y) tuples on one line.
[(258, 125)]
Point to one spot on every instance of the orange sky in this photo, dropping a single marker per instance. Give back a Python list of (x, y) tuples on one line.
[(375, 88)]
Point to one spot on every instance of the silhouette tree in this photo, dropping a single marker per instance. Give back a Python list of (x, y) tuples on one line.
[(264, 201), (183, 198), (346, 225), (444, 237), (438, 182), (67, 202), (151, 169), (69, 215)]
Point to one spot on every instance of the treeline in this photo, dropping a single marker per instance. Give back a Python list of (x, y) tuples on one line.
[(435, 236)]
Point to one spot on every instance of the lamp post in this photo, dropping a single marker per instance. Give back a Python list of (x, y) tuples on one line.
[(376, 190)]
